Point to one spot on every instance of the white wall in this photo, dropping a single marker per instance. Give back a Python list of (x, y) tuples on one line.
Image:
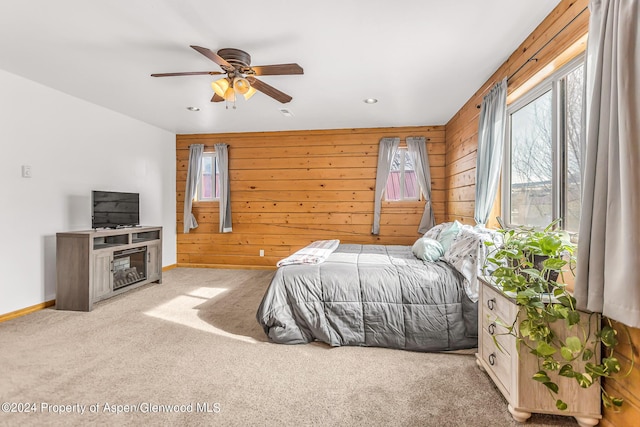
[(73, 147)]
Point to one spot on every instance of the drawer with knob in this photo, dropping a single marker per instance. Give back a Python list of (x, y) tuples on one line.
[(510, 366), (496, 360), (496, 306)]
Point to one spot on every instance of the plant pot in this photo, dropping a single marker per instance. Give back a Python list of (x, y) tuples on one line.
[(550, 276)]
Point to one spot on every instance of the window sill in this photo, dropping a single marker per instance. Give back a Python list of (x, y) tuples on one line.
[(403, 204)]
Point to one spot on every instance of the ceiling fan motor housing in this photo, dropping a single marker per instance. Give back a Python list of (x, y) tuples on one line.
[(236, 57)]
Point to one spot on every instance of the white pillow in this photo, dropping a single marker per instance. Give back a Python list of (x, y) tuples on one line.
[(427, 249)]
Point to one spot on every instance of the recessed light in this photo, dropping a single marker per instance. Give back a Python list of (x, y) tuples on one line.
[(286, 112), (193, 109), (370, 101)]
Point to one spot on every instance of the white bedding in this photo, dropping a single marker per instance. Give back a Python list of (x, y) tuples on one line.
[(314, 253)]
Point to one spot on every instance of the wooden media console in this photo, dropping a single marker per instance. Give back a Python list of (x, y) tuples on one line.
[(94, 265)]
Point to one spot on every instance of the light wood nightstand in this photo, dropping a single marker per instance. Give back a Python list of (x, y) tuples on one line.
[(511, 368)]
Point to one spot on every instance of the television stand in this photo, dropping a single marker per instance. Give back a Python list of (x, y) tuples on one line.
[(98, 264)]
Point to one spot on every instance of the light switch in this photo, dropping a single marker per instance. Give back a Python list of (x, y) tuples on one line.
[(26, 171)]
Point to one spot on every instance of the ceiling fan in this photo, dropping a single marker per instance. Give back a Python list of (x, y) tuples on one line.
[(240, 75)]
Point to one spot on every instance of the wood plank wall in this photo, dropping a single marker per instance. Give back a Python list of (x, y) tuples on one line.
[(627, 387), (291, 188), (462, 129), (462, 143)]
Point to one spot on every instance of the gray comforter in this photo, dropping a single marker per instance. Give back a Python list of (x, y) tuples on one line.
[(371, 295)]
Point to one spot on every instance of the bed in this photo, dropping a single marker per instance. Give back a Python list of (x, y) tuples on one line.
[(380, 295)]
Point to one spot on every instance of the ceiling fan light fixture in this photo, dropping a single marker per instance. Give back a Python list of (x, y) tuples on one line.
[(220, 87), (241, 85), (250, 92), (230, 94)]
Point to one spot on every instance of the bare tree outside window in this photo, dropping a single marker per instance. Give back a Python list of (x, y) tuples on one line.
[(573, 167), (532, 162), (545, 169)]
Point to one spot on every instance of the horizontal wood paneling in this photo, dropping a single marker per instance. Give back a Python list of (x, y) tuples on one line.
[(625, 386), (462, 130), (291, 188), (462, 144)]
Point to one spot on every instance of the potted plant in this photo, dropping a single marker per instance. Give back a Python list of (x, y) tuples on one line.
[(531, 265)]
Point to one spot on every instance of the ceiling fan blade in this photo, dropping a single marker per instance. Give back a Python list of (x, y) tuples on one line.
[(217, 98), (188, 73), (214, 57), (279, 69), (268, 90)]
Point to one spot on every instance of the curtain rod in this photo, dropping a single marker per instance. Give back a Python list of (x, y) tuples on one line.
[(210, 146), (533, 57)]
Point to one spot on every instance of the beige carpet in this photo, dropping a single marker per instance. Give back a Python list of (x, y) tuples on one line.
[(194, 341)]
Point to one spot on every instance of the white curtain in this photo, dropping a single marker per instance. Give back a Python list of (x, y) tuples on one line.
[(193, 176), (493, 116), (222, 153), (609, 246), (386, 151), (417, 146)]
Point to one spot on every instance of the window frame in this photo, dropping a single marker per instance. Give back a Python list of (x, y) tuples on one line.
[(402, 198), (214, 161), (556, 83)]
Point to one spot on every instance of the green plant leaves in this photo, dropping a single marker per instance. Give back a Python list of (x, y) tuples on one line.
[(610, 402), (567, 371), (541, 376), (584, 380), (522, 265), (573, 318), (525, 328), (574, 344), (543, 349), (533, 273), (612, 365), (571, 349), (552, 386), (550, 364), (566, 353), (502, 272), (567, 300), (554, 263), (550, 244), (608, 336), (595, 370)]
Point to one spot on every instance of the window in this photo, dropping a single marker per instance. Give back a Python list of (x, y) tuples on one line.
[(208, 184), (402, 183), (542, 171)]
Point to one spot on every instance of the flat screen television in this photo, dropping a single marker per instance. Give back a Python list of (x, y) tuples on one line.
[(113, 209)]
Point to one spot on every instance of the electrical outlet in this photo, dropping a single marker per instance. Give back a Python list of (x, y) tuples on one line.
[(261, 252)]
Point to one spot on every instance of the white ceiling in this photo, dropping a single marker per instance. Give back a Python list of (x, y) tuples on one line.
[(422, 59)]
